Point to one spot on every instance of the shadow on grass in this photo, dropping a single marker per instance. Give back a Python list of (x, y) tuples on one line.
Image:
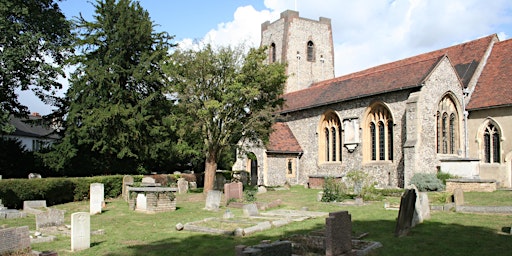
[(428, 238)]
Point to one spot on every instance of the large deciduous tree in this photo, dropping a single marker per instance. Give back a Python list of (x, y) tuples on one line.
[(34, 41), (118, 114), (227, 95)]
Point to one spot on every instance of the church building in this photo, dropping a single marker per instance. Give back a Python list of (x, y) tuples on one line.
[(448, 110)]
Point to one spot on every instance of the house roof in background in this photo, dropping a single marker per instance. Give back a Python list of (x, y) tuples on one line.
[(282, 140)]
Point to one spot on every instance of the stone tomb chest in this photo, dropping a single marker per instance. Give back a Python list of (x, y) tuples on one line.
[(152, 199)]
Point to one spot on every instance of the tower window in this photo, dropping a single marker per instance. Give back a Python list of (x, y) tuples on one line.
[(311, 51), (272, 53)]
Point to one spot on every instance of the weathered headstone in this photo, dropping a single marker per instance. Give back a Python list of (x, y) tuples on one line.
[(50, 218), (192, 185), (213, 198), (338, 234), (80, 231), (96, 197), (233, 190), (34, 206), (250, 210), (127, 181), (220, 180), (141, 202), (458, 196), (421, 207), (14, 239), (281, 248), (182, 186), (406, 213), (148, 179)]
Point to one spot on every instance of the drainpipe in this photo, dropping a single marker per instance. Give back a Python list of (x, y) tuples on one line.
[(298, 169)]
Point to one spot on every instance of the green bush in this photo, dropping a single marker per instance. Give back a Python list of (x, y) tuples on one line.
[(443, 176), (393, 192), (427, 182), (334, 191), (55, 190)]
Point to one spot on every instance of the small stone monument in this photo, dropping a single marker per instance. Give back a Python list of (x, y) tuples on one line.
[(250, 210), (458, 196), (50, 218), (80, 231), (182, 186), (233, 190), (141, 202), (127, 181), (96, 197), (213, 200)]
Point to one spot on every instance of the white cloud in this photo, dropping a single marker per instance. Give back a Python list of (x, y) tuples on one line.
[(369, 32)]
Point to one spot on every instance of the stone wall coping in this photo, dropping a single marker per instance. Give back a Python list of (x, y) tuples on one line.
[(325, 176), (151, 189), (472, 180), (455, 159)]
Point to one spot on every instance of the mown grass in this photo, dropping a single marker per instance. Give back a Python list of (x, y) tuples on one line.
[(133, 233)]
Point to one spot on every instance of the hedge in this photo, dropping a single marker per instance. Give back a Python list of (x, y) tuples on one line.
[(56, 190)]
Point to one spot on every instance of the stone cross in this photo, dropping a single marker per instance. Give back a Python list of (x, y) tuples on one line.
[(80, 231)]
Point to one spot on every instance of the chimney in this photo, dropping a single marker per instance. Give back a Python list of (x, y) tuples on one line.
[(36, 114)]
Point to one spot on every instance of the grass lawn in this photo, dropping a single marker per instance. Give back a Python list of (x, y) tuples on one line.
[(133, 233)]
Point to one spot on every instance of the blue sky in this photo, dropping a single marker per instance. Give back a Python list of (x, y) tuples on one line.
[(365, 32)]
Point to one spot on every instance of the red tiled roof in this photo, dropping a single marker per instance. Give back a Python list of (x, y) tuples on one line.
[(381, 81), (391, 76), (282, 140), (494, 87)]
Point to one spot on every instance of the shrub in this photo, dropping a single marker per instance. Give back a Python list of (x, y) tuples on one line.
[(334, 191), (250, 193), (443, 176), (55, 190), (427, 182)]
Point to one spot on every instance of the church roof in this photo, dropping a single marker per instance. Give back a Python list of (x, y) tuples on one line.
[(494, 87), (398, 75), (282, 140)]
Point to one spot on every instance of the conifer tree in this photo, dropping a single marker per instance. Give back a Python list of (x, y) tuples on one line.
[(118, 115)]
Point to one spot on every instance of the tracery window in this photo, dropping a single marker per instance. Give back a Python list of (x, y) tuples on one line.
[(330, 138), (447, 127), (311, 51), (379, 134), (491, 144)]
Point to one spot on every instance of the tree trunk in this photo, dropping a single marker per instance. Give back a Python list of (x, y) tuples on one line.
[(209, 171)]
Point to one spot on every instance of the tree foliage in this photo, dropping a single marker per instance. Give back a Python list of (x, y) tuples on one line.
[(34, 41), (226, 95), (118, 117)]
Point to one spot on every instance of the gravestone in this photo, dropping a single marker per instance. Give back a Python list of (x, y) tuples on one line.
[(50, 218), (213, 198), (406, 213), (80, 231), (234, 190), (34, 206), (280, 248), (458, 196), (421, 207), (14, 239), (141, 202), (148, 179), (96, 197), (338, 234), (250, 210), (219, 182), (127, 181), (182, 186), (192, 185)]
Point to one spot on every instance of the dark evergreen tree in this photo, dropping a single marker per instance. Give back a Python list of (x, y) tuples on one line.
[(119, 120)]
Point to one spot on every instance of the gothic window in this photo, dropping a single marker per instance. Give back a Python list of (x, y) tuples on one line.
[(272, 53), (311, 51), (491, 144), (378, 145), (330, 138), (447, 127)]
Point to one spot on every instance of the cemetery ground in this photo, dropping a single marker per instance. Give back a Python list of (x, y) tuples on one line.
[(126, 232)]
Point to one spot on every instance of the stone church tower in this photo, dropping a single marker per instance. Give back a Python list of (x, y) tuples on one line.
[(304, 44)]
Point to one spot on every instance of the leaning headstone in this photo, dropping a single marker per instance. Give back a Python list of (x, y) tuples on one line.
[(182, 186), (233, 190), (458, 196), (80, 231), (213, 200), (250, 210), (338, 234), (406, 213), (50, 218), (96, 197), (127, 181)]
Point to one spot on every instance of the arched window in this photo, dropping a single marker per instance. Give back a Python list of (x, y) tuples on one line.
[(378, 145), (491, 144), (272, 53), (311, 51), (447, 127), (330, 138)]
